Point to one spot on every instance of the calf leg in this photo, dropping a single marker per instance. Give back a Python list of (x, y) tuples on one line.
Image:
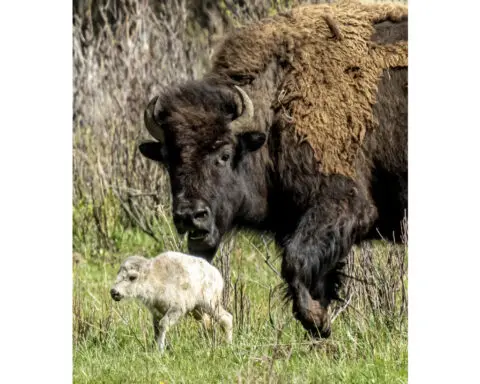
[(161, 327), (203, 317), (314, 253), (156, 329), (226, 322), (224, 318)]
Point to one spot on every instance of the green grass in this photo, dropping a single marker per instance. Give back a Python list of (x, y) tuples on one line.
[(113, 342)]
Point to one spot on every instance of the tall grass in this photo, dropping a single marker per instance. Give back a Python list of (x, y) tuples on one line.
[(114, 341)]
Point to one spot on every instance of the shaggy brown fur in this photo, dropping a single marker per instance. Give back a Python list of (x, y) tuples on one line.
[(333, 66)]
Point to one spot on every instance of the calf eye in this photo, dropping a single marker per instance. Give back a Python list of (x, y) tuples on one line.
[(132, 277)]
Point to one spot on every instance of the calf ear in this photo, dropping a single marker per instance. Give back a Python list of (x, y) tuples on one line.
[(252, 141), (152, 150)]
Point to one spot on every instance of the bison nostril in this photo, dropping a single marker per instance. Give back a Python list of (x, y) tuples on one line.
[(200, 215), (179, 221), (192, 217)]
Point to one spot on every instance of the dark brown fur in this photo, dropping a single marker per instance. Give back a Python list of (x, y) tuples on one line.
[(388, 32), (268, 178)]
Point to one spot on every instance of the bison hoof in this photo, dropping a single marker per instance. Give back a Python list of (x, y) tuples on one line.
[(318, 333), (315, 319)]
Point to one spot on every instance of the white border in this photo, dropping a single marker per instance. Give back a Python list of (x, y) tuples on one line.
[(35, 161), (444, 150), (36, 191)]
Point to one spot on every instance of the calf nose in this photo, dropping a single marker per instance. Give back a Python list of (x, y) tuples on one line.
[(195, 215), (115, 294)]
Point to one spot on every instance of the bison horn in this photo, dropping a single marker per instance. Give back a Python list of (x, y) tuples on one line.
[(153, 127), (246, 116)]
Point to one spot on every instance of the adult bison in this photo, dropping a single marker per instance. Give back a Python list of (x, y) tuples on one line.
[(299, 129)]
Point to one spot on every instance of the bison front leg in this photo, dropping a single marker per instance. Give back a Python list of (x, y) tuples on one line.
[(314, 255)]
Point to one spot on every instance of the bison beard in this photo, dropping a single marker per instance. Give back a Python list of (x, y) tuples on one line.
[(235, 159)]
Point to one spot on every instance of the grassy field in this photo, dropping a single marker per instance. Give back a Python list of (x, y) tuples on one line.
[(113, 342)]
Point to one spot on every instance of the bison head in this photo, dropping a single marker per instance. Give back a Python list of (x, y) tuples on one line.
[(205, 134)]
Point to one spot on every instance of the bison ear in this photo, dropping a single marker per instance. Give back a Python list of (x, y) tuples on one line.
[(152, 150), (252, 141)]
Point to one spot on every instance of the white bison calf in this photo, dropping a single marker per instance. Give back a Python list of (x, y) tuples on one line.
[(172, 285)]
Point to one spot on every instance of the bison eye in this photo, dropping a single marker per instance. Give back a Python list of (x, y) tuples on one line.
[(223, 158), (132, 277)]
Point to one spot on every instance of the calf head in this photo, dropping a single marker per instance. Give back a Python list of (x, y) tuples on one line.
[(131, 274), (204, 132)]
